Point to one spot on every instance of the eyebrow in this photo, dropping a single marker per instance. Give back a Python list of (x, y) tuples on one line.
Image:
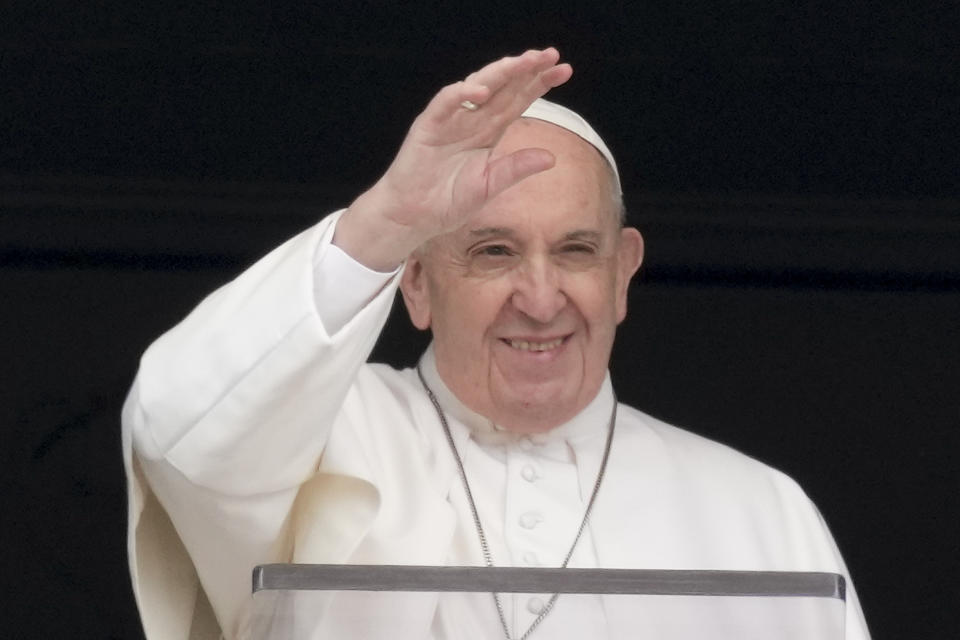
[(490, 232), (587, 235)]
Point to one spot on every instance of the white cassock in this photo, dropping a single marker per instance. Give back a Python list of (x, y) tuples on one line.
[(256, 433)]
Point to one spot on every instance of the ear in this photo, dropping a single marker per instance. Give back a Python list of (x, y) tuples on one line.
[(629, 257), (416, 293)]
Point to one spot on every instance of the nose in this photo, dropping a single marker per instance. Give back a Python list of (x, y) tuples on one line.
[(538, 292)]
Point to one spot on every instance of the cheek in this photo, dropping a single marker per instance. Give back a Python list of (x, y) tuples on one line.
[(464, 314), (595, 297)]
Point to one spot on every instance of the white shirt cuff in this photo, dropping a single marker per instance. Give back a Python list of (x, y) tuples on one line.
[(342, 287)]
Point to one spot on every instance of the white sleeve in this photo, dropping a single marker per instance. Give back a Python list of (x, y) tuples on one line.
[(230, 414), (240, 395)]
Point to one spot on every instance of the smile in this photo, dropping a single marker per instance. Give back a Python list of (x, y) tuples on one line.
[(525, 345)]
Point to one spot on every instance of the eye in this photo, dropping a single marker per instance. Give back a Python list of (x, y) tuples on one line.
[(494, 250), (577, 255), (492, 259), (579, 248)]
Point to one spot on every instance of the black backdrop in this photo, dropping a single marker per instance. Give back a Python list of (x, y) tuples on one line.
[(793, 169)]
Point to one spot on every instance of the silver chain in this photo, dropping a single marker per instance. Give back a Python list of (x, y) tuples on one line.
[(484, 546)]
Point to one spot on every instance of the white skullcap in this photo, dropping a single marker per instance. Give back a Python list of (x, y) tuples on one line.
[(571, 121)]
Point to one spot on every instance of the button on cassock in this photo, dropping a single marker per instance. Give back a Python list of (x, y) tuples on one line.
[(535, 605), (530, 519), (528, 473)]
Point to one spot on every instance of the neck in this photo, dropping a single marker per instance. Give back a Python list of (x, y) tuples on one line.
[(582, 424)]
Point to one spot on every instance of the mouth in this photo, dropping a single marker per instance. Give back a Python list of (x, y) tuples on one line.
[(530, 345)]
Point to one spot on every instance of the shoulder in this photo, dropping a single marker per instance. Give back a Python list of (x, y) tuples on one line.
[(700, 461), (638, 424), (387, 404), (385, 386), (757, 516)]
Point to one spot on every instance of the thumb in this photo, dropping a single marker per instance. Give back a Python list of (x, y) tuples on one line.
[(508, 170)]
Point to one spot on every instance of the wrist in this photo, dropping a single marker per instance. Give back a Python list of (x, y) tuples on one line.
[(369, 234)]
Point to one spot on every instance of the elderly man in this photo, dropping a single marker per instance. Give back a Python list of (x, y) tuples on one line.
[(257, 433)]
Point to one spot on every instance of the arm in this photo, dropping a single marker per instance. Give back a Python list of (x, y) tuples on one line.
[(231, 408), (238, 357), (229, 414), (213, 394)]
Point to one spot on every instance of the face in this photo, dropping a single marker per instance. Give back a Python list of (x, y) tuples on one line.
[(524, 299)]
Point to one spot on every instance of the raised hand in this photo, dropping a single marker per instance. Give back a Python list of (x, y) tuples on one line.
[(444, 171)]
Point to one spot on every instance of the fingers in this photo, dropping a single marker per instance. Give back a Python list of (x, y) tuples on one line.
[(497, 75), (505, 88), (516, 82), (448, 101), (556, 76)]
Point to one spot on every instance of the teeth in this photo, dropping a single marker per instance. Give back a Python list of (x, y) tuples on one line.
[(523, 345)]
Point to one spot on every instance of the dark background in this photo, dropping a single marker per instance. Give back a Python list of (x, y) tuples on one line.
[(793, 167)]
